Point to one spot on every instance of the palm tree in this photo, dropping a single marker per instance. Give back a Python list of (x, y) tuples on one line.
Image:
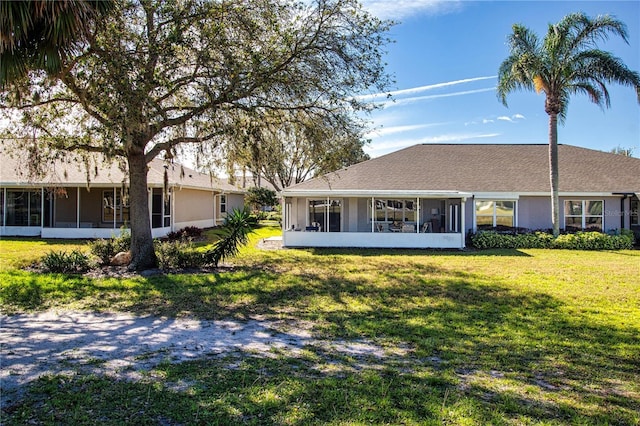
[(43, 34), (565, 63)]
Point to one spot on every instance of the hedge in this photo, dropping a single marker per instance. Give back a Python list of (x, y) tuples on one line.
[(577, 241)]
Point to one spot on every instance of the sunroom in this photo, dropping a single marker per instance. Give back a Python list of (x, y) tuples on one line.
[(408, 219)]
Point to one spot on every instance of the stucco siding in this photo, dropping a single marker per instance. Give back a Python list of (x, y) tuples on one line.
[(192, 205), (235, 201), (534, 212)]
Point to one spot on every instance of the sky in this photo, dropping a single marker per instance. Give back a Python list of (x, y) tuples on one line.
[(445, 59)]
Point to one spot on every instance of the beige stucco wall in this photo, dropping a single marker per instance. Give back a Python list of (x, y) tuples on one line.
[(192, 205)]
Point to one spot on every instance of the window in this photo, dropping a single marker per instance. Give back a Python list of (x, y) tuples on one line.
[(113, 207), (223, 203), (635, 207), (160, 208), (583, 214), (395, 210), (490, 214), (24, 208)]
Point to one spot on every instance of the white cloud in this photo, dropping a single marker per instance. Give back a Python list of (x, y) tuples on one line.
[(421, 89), (391, 130), (414, 99), (399, 9), (511, 119)]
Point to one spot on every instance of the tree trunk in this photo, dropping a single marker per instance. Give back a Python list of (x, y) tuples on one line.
[(553, 173), (142, 253)]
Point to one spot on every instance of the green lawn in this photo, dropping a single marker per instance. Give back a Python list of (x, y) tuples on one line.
[(493, 337)]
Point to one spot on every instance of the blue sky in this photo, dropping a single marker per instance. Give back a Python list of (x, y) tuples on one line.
[(445, 60)]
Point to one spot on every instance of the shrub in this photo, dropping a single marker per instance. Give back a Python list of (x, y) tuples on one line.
[(74, 262), (105, 249), (593, 241), (122, 242), (102, 249), (577, 241), (185, 234), (178, 255)]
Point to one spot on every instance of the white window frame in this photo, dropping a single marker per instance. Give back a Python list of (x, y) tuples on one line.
[(403, 211), (583, 213), (222, 202), (494, 214), (634, 214)]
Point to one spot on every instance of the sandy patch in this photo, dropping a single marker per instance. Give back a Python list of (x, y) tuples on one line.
[(122, 345)]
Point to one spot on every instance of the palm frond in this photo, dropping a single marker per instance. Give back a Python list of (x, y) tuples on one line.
[(239, 223)]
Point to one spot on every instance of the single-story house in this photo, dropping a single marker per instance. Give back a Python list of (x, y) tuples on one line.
[(71, 202), (432, 195)]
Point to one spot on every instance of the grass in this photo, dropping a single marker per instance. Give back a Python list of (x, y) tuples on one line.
[(492, 337)]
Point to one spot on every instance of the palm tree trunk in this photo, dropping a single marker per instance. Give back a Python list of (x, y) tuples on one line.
[(142, 251), (553, 173)]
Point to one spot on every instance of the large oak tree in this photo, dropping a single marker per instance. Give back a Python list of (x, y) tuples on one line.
[(158, 76)]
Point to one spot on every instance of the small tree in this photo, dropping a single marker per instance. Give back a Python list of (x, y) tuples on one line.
[(259, 197)]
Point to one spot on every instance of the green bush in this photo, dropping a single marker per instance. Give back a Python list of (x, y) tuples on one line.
[(105, 249), (577, 241), (74, 262), (178, 255), (102, 249), (185, 234), (593, 241)]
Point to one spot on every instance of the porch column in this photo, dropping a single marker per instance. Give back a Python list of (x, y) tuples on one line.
[(373, 214), (4, 207), (42, 207), (463, 228), (326, 216), (417, 215), (78, 207), (114, 207)]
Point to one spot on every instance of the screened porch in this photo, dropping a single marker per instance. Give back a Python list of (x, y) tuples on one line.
[(377, 221)]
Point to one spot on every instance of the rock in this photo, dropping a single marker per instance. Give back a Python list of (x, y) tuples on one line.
[(121, 259)]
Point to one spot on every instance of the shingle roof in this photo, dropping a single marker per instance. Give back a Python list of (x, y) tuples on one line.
[(483, 168), (60, 173)]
